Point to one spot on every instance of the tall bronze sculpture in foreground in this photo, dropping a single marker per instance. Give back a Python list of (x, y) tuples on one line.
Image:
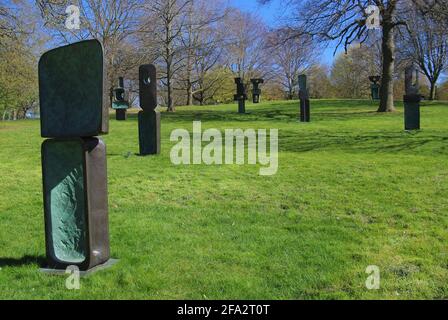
[(149, 118), (74, 112)]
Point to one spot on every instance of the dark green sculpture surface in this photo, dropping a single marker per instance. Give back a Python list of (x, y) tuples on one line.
[(149, 132), (71, 91), (375, 91), (120, 105), (65, 201)]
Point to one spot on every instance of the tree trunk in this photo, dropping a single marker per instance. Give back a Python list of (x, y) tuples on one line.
[(169, 59), (432, 92), (170, 95), (290, 93), (189, 93), (387, 81)]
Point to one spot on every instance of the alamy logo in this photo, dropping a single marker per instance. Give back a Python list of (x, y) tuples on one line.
[(374, 279), (373, 17), (233, 147), (72, 22), (72, 281)]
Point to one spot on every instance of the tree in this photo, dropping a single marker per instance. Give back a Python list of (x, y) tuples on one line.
[(291, 57), (438, 9), (8, 21), (18, 78), (203, 43), (113, 22), (161, 32), (319, 82), (246, 49), (19, 46), (351, 71), (217, 86), (347, 21), (424, 43)]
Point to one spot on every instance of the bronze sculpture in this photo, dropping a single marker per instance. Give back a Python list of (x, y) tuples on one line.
[(73, 112)]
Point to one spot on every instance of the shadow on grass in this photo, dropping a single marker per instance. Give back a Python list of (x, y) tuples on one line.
[(24, 261), (370, 143), (257, 115)]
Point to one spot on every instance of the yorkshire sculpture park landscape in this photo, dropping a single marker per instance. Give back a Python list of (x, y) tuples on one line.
[(224, 150)]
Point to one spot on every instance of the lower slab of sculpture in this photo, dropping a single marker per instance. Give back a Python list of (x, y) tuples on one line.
[(75, 202), (149, 132)]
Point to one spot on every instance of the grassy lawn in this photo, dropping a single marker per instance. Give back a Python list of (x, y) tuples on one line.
[(352, 190)]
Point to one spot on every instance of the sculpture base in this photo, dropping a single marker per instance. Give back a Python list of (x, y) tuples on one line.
[(149, 132), (120, 114), (241, 106), (61, 272), (305, 110), (75, 202), (411, 116)]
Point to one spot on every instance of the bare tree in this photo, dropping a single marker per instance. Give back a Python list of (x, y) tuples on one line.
[(438, 9), (426, 44), (203, 43), (346, 21), (291, 57), (246, 50), (113, 22), (161, 32)]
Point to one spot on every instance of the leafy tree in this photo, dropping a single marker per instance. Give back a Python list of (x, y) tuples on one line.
[(350, 73), (424, 43)]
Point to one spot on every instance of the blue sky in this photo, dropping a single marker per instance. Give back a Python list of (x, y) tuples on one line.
[(272, 15)]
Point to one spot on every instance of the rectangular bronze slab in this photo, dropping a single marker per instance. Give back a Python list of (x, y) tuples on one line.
[(412, 112), (75, 202), (149, 132), (148, 87), (121, 114), (71, 91), (305, 110)]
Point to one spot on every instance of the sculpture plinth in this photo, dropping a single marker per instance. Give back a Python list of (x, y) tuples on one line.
[(149, 132), (412, 99), (75, 202), (241, 95), (149, 118), (73, 111), (304, 100)]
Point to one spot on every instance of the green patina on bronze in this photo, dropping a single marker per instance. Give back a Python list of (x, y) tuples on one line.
[(71, 91), (120, 105), (65, 199)]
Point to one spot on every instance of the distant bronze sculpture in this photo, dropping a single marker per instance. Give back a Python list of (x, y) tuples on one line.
[(120, 101), (304, 99), (149, 118), (375, 87), (412, 99), (241, 95), (73, 111), (256, 91)]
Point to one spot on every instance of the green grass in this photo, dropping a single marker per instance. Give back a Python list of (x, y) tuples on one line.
[(352, 190)]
